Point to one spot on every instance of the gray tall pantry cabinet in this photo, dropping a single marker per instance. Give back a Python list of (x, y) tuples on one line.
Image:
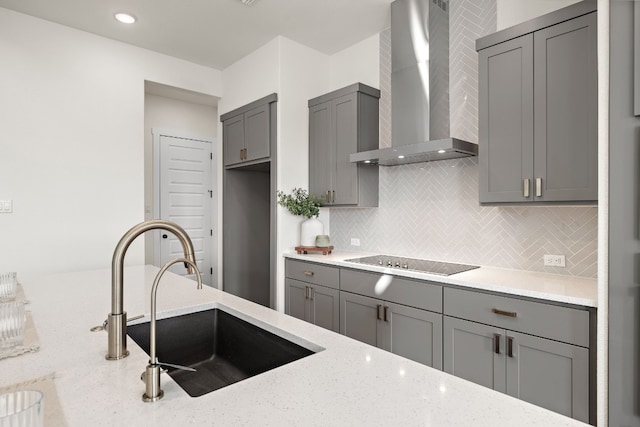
[(249, 200), (538, 109), (341, 123)]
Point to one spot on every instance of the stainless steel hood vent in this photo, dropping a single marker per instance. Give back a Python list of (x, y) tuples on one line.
[(419, 88)]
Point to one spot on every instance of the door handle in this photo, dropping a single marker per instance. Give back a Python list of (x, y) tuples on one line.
[(538, 187), (496, 343), (378, 307), (510, 346), (164, 236), (328, 196), (386, 313), (333, 196), (525, 187), (306, 292)]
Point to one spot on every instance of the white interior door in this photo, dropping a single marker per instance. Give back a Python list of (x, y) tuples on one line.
[(185, 197)]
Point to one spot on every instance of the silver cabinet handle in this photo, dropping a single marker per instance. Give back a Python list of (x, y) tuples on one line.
[(308, 273), (538, 187), (386, 313), (306, 292), (312, 293), (378, 307), (496, 343), (504, 313), (525, 187), (510, 346), (333, 196), (328, 196)]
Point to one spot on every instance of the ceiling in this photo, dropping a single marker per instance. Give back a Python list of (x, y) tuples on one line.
[(216, 33)]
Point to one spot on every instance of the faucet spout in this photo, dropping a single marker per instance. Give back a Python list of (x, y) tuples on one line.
[(153, 391), (117, 319)]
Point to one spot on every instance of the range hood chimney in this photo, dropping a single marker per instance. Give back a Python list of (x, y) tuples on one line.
[(419, 88)]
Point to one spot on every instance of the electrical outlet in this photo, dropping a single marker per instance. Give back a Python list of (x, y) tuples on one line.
[(355, 241), (554, 261), (6, 206)]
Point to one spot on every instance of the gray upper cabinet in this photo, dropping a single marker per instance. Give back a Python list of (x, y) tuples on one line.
[(247, 132), (533, 351), (341, 123), (538, 110)]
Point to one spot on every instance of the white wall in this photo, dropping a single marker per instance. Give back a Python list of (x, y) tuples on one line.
[(359, 63), (512, 12), (71, 150)]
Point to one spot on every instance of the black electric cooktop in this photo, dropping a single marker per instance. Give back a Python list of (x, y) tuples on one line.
[(414, 264)]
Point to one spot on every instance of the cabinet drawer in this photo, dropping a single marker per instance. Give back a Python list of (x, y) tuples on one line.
[(544, 320), (419, 294), (313, 273)]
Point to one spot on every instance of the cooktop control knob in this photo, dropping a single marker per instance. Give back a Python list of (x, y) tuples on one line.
[(397, 264), (389, 264), (405, 265), (380, 262)]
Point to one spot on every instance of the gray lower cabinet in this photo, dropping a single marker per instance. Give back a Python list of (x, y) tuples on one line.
[(533, 351), (396, 314), (313, 303), (538, 111), (341, 123), (405, 331), (247, 132), (312, 293)]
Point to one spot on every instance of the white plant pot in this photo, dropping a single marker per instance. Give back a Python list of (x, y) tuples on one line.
[(309, 229)]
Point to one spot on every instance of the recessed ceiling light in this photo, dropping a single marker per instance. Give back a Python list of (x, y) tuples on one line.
[(401, 157), (125, 18)]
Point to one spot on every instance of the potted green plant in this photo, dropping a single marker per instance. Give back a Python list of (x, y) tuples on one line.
[(300, 202)]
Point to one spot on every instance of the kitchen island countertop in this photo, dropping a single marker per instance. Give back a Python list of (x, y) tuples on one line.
[(566, 289), (346, 384)]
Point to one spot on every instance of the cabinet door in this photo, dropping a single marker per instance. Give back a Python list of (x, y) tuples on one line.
[(295, 296), (233, 139), (548, 373), (566, 114), (320, 165), (345, 181), (475, 352), (359, 318), (414, 334), (325, 308), (257, 136), (505, 151)]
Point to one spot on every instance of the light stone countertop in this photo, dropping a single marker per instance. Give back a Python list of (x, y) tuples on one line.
[(346, 384), (581, 291)]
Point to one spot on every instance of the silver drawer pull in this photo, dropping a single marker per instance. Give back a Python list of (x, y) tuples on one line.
[(504, 313), (308, 273)]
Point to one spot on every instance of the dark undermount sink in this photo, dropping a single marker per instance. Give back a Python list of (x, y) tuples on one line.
[(221, 347)]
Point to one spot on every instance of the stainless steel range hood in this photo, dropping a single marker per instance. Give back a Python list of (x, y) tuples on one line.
[(419, 88)]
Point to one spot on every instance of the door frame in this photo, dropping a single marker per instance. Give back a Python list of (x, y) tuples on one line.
[(157, 133)]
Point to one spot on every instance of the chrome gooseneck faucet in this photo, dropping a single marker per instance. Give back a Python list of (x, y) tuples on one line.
[(117, 319), (153, 391)]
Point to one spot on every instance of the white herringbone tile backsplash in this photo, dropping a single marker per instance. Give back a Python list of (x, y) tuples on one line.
[(431, 210)]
